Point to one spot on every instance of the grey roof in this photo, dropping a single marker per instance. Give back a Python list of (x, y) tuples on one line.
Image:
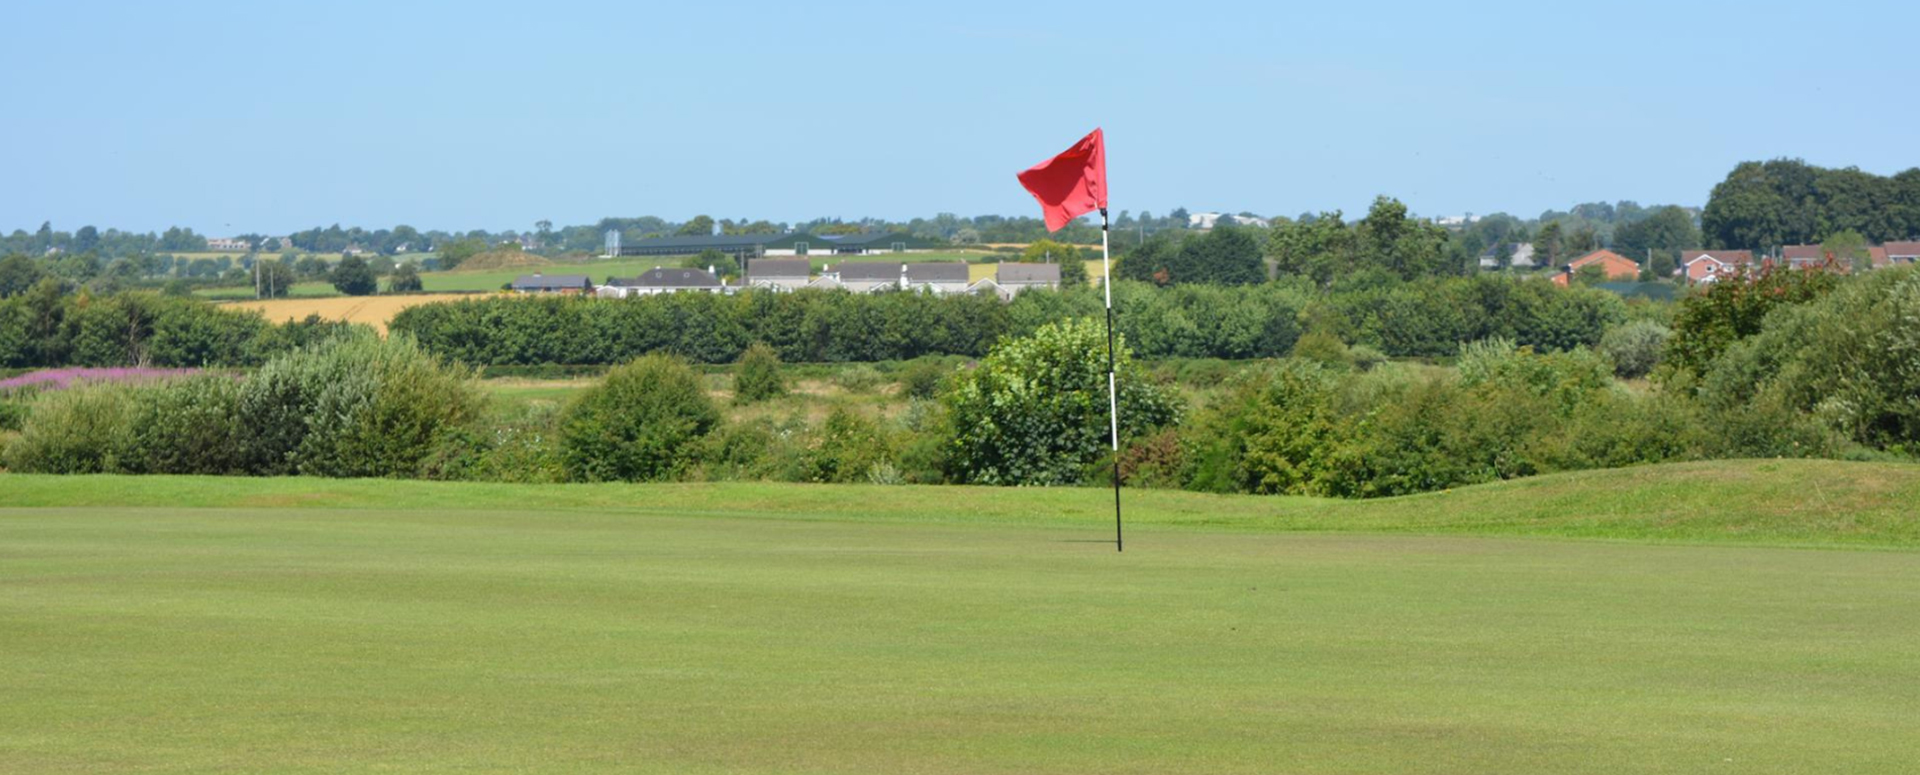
[(672, 277), (937, 272), (761, 268), (868, 271), (881, 238), (551, 281), (703, 241), (1028, 273)]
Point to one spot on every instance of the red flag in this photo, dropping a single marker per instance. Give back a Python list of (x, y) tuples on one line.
[(1072, 184)]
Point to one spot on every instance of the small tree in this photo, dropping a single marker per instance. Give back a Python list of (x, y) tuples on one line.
[(641, 424), (405, 279), (723, 264), (756, 377), (1035, 411), (353, 277), (274, 278)]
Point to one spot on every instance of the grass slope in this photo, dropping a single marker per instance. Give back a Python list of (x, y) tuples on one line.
[(1775, 502), (205, 625)]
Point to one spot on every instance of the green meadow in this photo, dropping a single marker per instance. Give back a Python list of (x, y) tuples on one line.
[(1745, 616)]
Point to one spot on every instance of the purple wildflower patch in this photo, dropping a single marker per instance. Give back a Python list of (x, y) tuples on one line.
[(61, 379)]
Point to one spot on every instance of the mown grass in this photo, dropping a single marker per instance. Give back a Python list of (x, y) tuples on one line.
[(298, 625)]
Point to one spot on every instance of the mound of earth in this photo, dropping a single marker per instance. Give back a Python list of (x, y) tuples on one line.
[(502, 259)]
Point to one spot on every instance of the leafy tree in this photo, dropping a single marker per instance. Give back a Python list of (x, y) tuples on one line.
[(700, 226), (1546, 244), (1848, 250), (405, 279), (17, 274), (1660, 236), (353, 277), (1732, 309), (639, 424), (457, 251), (1319, 249), (1035, 411), (756, 376), (722, 264), (274, 279), (1389, 239)]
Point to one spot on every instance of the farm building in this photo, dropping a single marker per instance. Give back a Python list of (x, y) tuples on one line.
[(860, 244), (552, 283), (740, 246), (660, 280)]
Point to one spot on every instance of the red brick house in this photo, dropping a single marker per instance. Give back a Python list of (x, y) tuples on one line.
[(1619, 268), (1705, 266)]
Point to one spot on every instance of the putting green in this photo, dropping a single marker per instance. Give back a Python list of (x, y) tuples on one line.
[(290, 638)]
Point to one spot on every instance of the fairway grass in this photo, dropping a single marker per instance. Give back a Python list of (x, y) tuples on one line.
[(200, 625)]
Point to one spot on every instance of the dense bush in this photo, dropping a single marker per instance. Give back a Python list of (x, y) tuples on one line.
[(352, 406), (1036, 410), (757, 375), (1299, 427), (643, 423), (42, 327), (1850, 360), (83, 430), (1635, 348), (1711, 320)]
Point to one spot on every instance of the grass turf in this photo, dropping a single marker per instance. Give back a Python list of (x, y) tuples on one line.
[(234, 625)]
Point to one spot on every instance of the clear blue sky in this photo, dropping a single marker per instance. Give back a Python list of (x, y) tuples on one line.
[(251, 117)]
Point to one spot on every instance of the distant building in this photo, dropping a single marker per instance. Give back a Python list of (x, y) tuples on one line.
[(1522, 257), (1012, 278), (1705, 266), (552, 283), (1815, 257), (864, 244), (740, 246), (940, 277), (229, 245), (1902, 252), (660, 280), (1210, 220), (869, 276), (1618, 268), (780, 274)]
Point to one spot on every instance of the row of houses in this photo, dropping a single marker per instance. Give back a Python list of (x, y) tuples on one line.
[(786, 275), (748, 246), (1705, 266)]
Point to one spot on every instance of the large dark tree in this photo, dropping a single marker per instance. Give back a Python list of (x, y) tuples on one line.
[(353, 277)]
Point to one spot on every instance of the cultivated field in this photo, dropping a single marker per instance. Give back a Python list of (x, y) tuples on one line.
[(371, 310), (1737, 616)]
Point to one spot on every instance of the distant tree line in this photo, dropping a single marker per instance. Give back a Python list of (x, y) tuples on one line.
[(43, 327), (1763, 205)]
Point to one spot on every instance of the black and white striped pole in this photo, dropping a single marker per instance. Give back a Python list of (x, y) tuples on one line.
[(1113, 385)]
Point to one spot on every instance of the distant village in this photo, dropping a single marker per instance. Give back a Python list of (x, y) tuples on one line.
[(783, 263)]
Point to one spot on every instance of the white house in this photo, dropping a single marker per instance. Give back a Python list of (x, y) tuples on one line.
[(869, 276), (940, 277), (660, 280)]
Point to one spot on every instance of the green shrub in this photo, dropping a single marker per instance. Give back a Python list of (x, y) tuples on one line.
[(1035, 410), (189, 426), (845, 448), (643, 423), (922, 378), (859, 378), (756, 377), (1324, 348), (1635, 348), (1273, 432), (87, 429), (1849, 360)]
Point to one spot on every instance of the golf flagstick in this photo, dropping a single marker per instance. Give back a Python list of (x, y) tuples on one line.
[(1113, 391), (1068, 186)]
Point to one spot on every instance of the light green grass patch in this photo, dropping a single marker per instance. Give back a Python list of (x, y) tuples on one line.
[(203, 625)]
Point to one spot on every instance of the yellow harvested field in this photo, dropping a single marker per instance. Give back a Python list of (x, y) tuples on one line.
[(371, 310)]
